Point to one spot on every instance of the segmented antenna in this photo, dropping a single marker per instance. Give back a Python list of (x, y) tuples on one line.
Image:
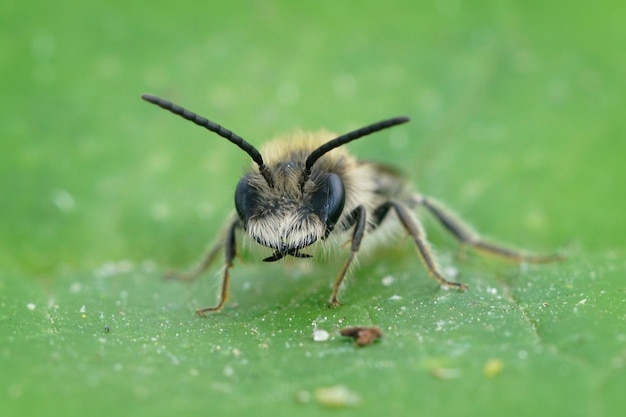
[(349, 137), (215, 128)]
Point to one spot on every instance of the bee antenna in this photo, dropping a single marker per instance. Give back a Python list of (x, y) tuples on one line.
[(348, 137), (215, 128)]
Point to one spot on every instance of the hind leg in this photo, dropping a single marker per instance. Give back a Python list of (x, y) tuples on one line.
[(468, 237)]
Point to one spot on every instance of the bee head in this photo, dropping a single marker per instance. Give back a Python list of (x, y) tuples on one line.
[(286, 216), (289, 205)]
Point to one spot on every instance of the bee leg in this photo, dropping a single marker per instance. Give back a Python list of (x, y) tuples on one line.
[(468, 237), (230, 245), (413, 226), (359, 216)]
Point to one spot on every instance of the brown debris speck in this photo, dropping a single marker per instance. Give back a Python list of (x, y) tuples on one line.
[(362, 335)]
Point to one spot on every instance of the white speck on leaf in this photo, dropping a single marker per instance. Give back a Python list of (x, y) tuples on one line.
[(451, 272), (320, 335), (64, 201), (388, 280), (337, 396)]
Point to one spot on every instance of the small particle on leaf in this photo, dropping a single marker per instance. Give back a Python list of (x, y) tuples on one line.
[(31, 306), (64, 201), (362, 335), (445, 373), (76, 288), (388, 280), (493, 367), (303, 396), (320, 335), (107, 329), (337, 396), (451, 272)]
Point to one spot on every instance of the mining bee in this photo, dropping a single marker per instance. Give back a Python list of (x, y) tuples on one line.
[(305, 189)]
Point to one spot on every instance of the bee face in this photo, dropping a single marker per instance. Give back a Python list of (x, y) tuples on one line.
[(288, 214)]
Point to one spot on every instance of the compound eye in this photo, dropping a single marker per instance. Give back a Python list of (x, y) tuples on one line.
[(245, 197), (328, 201)]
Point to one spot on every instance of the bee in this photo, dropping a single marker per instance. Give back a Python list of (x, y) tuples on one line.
[(305, 189)]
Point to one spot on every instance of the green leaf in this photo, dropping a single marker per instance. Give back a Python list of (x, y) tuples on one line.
[(517, 124), (119, 339)]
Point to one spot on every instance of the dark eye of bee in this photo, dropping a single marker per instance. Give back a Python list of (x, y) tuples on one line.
[(328, 201), (245, 197)]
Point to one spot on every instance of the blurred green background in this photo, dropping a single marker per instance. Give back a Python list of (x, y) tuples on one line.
[(517, 123)]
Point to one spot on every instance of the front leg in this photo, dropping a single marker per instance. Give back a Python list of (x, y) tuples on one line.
[(359, 216), (230, 246)]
